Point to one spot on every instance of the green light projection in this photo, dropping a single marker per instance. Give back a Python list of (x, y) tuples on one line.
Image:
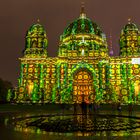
[(83, 70), (130, 40)]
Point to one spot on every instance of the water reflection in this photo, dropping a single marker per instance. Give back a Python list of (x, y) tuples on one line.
[(81, 124), (98, 127), (78, 125)]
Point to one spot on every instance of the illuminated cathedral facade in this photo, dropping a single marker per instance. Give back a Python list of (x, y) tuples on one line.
[(84, 70)]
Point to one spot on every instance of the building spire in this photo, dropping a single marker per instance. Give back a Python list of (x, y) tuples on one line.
[(82, 13), (111, 49)]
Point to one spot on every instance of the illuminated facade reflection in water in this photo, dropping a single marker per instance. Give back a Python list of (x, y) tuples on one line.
[(83, 69)]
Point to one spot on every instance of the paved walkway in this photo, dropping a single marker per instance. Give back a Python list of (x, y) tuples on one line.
[(68, 109)]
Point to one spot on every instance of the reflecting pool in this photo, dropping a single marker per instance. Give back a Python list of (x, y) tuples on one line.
[(78, 125), (103, 125)]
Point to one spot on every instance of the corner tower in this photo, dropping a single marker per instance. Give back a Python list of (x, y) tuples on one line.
[(36, 41), (31, 80), (130, 40)]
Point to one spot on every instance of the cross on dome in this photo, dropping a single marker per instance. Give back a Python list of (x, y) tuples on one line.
[(82, 13)]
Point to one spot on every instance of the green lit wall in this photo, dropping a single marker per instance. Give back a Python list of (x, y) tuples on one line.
[(83, 70)]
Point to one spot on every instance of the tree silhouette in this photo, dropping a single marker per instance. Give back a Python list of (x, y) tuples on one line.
[(4, 86)]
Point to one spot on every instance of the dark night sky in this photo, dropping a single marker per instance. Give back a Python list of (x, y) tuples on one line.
[(16, 16)]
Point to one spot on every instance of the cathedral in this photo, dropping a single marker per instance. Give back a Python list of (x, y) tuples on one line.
[(84, 70)]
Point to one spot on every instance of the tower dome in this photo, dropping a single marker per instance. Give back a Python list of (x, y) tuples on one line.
[(82, 35), (129, 27), (129, 40), (36, 41)]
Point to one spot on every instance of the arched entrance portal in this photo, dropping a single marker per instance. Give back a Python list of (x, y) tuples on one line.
[(83, 87)]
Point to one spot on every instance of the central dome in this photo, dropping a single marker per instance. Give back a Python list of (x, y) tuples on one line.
[(82, 25), (83, 37)]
